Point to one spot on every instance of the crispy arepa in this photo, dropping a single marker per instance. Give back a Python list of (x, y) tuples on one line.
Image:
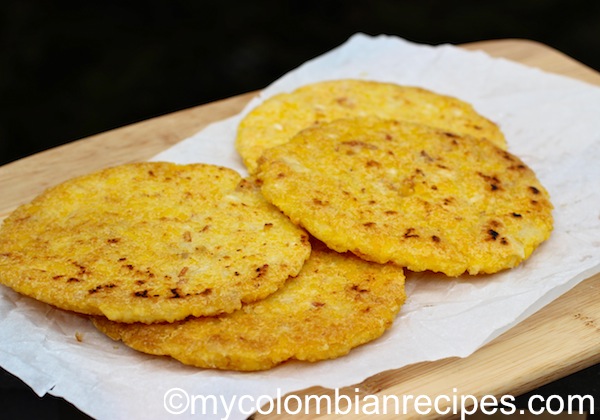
[(420, 197), (280, 117), (336, 303), (150, 242)]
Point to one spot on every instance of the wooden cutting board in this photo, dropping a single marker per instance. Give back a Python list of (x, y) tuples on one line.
[(560, 339)]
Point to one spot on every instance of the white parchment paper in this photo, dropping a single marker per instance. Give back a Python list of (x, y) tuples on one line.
[(551, 122)]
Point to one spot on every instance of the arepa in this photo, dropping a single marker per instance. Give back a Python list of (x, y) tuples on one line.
[(280, 117), (336, 303), (423, 198), (150, 242)]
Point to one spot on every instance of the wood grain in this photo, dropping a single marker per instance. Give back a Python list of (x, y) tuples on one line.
[(560, 339)]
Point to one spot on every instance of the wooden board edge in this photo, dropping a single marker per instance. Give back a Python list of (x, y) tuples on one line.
[(538, 55)]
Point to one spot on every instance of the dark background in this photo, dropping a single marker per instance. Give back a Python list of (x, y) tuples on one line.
[(70, 69)]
